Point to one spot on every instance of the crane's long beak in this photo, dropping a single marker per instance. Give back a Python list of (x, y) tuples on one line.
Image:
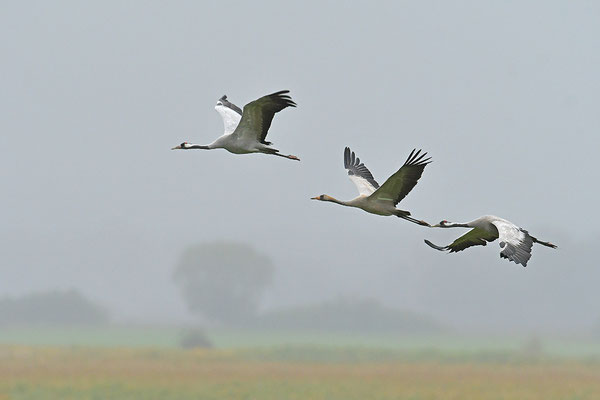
[(315, 198), (176, 147)]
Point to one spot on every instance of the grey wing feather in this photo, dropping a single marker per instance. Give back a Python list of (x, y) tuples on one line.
[(230, 113), (404, 180), (355, 167), (519, 252), (258, 115), (226, 103), (475, 237), (515, 242)]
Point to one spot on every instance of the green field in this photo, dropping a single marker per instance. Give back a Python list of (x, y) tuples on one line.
[(123, 373), (168, 337), (145, 363)]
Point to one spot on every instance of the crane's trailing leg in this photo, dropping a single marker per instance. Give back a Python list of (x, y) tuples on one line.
[(406, 215), (547, 244), (276, 153), (291, 157)]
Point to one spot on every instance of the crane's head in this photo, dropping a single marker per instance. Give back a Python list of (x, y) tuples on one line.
[(442, 224), (182, 146), (322, 197)]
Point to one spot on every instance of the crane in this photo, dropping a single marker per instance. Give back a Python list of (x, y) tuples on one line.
[(515, 242), (246, 131), (382, 200)]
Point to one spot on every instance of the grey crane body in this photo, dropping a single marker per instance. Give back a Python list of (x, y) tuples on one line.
[(372, 206), (240, 145)]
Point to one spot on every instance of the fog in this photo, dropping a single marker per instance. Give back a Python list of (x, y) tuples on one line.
[(503, 96)]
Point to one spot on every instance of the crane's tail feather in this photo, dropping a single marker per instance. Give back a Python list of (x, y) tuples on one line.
[(547, 244), (435, 246)]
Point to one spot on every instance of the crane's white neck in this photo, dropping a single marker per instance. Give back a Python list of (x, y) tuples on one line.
[(446, 224), (191, 146), (325, 197)]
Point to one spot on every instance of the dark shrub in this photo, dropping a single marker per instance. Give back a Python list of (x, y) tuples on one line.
[(194, 338)]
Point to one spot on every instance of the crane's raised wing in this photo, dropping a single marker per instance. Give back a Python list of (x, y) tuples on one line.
[(475, 237), (515, 242), (230, 113), (258, 114), (359, 173), (404, 180)]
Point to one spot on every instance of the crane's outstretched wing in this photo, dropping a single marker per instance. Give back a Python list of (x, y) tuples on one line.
[(258, 114), (404, 180), (230, 113), (475, 237), (515, 242), (359, 173)]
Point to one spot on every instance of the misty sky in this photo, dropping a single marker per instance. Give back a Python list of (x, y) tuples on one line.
[(503, 96)]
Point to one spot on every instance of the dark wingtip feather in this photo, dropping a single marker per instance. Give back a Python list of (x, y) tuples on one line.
[(230, 105), (410, 156), (416, 158), (355, 167), (346, 157), (282, 97), (434, 246)]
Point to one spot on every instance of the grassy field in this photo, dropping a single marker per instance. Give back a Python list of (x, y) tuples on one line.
[(145, 363), (168, 337), (33, 372)]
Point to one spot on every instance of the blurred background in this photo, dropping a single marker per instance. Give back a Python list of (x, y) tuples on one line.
[(108, 238)]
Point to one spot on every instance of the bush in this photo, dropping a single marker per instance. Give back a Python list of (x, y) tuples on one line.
[(194, 338)]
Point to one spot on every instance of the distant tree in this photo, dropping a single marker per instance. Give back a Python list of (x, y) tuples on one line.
[(223, 281), (48, 308)]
